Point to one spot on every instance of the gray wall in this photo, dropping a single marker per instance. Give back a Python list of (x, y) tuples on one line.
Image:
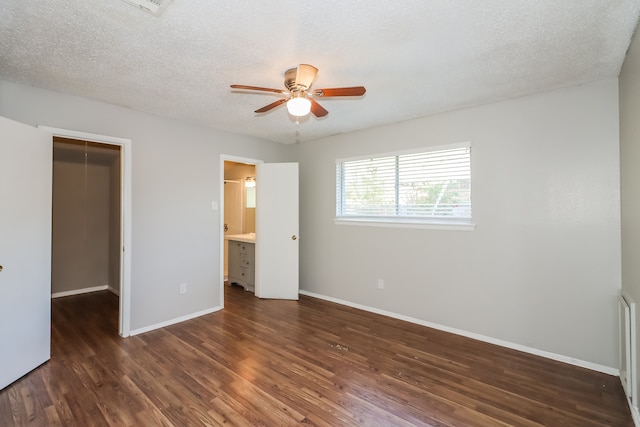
[(630, 173), (80, 227), (176, 235), (542, 268), (115, 246), (85, 217)]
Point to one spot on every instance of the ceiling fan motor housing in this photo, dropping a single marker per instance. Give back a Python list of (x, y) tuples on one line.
[(301, 78), (290, 79)]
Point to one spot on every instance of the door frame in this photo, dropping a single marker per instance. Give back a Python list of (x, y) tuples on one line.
[(124, 317), (227, 158)]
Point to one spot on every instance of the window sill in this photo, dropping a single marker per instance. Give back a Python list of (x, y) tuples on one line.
[(460, 225)]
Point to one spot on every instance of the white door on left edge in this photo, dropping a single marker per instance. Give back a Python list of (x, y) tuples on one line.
[(25, 249)]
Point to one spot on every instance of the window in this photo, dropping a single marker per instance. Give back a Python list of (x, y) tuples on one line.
[(430, 186)]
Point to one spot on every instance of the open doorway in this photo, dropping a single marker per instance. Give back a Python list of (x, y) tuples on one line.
[(86, 219), (235, 217), (239, 223), (275, 242), (123, 232)]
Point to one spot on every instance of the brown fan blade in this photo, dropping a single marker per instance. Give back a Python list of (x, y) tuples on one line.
[(262, 89), (305, 75), (340, 91), (271, 106), (317, 109)]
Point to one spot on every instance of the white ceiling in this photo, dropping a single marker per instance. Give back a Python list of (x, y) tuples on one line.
[(415, 57)]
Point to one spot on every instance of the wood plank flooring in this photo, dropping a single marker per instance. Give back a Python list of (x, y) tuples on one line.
[(286, 363)]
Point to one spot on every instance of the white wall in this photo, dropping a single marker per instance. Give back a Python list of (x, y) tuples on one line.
[(176, 236), (630, 172), (542, 268)]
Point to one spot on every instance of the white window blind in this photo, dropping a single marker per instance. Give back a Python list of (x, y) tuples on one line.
[(416, 186)]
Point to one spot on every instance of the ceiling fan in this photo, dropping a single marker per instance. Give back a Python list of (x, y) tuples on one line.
[(300, 100)]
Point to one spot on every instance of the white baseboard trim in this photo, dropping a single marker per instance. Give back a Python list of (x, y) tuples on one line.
[(558, 357), (174, 321), (114, 291), (79, 291), (635, 415)]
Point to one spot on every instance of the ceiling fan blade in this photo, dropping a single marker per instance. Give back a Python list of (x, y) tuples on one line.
[(271, 106), (340, 91), (262, 89), (317, 109), (305, 75)]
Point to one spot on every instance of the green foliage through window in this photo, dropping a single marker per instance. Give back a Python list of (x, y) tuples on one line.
[(425, 185)]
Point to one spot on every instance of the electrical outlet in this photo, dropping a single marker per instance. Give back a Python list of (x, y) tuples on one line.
[(183, 288), (380, 284)]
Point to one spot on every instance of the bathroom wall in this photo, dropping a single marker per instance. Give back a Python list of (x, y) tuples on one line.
[(239, 172)]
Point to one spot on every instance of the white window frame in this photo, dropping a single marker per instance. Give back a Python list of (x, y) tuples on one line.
[(439, 223)]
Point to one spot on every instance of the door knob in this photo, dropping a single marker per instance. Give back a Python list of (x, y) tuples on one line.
[(294, 237)]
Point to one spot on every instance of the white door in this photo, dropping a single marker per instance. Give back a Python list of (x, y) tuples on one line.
[(277, 231), (25, 249)]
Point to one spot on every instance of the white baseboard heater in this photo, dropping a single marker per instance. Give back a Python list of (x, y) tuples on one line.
[(628, 372)]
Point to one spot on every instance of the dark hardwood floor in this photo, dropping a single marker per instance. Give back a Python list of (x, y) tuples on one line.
[(281, 363)]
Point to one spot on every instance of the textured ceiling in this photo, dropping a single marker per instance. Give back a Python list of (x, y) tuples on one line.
[(415, 57)]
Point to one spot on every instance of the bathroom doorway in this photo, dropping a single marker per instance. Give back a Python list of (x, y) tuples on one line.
[(275, 241), (239, 202)]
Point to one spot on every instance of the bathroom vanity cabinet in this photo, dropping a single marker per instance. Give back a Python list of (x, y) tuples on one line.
[(241, 268)]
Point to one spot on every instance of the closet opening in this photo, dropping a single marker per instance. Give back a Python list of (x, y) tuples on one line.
[(86, 241)]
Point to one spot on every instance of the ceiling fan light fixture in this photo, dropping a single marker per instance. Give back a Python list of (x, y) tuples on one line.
[(298, 106)]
